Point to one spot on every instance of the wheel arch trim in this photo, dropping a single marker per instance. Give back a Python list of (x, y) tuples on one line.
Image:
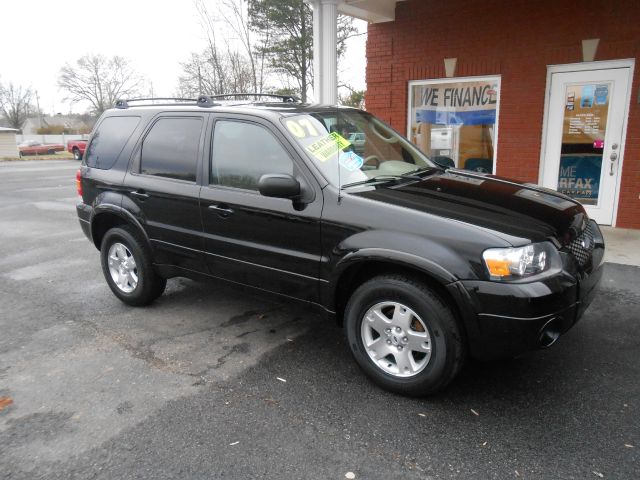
[(111, 209), (361, 258), (446, 282)]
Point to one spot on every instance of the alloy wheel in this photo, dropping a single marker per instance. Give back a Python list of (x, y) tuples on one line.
[(396, 339), (122, 267)]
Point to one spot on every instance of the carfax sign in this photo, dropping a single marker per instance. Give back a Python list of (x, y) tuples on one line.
[(580, 177)]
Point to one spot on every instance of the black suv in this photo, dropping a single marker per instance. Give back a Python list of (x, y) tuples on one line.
[(422, 265)]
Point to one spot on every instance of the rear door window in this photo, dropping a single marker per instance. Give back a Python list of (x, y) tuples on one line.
[(109, 140), (170, 149)]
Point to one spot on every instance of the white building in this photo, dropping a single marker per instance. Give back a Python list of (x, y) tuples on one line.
[(8, 145)]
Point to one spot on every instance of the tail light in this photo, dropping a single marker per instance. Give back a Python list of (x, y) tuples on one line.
[(79, 182)]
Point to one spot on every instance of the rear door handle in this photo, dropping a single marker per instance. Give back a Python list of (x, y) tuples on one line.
[(222, 210), (140, 194)]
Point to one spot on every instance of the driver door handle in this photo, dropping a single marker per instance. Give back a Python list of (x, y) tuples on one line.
[(140, 194), (222, 209)]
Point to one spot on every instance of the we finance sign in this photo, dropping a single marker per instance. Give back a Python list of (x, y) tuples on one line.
[(461, 103), (468, 96)]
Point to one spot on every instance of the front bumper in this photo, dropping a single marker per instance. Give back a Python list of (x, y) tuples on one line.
[(506, 319)]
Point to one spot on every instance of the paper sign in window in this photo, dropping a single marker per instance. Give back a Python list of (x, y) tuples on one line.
[(328, 146)]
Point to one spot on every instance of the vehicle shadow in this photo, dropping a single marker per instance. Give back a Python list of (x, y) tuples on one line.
[(523, 380)]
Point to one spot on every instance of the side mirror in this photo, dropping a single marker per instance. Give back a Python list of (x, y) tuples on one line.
[(279, 185), (444, 162)]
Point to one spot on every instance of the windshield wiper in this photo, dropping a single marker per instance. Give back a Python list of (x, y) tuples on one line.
[(415, 173), (383, 178)]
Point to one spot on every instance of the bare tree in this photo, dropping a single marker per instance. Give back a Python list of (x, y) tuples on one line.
[(234, 14), (15, 104), (355, 98), (238, 21), (99, 80), (214, 72)]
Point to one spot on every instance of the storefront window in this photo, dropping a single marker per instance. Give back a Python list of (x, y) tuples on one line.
[(455, 122)]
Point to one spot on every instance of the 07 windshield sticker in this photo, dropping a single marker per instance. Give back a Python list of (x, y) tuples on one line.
[(328, 146)]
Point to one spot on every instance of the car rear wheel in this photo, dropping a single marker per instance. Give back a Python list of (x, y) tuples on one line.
[(76, 154), (403, 335), (127, 267)]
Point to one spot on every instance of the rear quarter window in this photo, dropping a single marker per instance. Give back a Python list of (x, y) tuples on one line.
[(109, 140)]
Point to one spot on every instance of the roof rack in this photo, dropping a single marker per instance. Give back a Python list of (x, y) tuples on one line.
[(284, 98), (202, 101)]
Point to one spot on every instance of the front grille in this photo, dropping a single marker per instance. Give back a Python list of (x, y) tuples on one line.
[(582, 247)]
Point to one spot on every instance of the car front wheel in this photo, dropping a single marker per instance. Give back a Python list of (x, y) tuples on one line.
[(404, 335), (127, 267)]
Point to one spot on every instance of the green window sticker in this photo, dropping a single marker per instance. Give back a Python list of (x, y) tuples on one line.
[(328, 146)]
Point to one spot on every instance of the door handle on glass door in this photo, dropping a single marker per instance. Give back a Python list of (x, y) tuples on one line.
[(613, 157)]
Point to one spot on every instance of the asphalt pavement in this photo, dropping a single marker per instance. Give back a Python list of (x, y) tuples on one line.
[(215, 382)]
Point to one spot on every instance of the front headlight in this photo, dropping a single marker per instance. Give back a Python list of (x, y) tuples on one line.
[(520, 262)]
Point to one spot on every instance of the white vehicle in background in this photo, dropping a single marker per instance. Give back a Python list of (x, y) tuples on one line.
[(357, 140)]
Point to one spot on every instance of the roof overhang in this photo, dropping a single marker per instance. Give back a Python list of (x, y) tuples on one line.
[(5, 129), (374, 11)]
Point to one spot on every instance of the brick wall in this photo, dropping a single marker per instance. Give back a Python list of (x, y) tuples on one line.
[(516, 39)]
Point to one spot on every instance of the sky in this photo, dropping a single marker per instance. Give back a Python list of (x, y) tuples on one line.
[(40, 36)]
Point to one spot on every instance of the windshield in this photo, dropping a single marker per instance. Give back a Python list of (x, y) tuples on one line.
[(350, 146)]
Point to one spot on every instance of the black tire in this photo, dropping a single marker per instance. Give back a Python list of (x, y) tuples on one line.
[(447, 346), (51, 152), (76, 154), (150, 285)]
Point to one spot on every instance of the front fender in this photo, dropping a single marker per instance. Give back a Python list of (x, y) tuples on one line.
[(433, 256), (437, 260), (396, 257)]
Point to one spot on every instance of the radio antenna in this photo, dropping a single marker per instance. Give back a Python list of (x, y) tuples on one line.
[(338, 161)]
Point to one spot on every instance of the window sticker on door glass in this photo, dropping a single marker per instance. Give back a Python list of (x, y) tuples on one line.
[(351, 161), (571, 100), (587, 96), (602, 92), (328, 146)]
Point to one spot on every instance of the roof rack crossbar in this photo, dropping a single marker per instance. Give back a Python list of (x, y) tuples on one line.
[(201, 101), (284, 98)]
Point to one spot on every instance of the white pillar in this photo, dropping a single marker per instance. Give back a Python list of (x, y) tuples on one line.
[(325, 51), (317, 37)]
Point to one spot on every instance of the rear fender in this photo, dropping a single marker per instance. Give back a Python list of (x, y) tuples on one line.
[(116, 204)]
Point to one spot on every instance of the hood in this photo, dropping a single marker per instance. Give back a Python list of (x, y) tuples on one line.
[(520, 210)]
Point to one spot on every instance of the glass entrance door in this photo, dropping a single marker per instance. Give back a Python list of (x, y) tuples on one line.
[(586, 117)]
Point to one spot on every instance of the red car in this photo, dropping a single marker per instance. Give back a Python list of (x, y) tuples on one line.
[(31, 147), (77, 147)]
